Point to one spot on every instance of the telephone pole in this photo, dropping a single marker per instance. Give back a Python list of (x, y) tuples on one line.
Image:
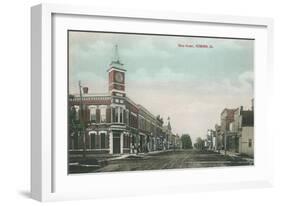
[(82, 121), (225, 143)]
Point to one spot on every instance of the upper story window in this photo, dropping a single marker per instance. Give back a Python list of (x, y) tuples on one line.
[(103, 114), (128, 117), (77, 111), (93, 114), (121, 118), (142, 122), (117, 114)]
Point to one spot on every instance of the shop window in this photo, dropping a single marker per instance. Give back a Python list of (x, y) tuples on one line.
[(102, 136), (93, 140), (126, 141)]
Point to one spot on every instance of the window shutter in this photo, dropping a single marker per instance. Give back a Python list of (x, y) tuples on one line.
[(113, 114), (98, 146), (98, 115), (107, 141), (85, 114), (124, 116), (108, 115), (88, 115), (103, 136)]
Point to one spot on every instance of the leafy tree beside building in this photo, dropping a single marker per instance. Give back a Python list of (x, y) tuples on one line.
[(186, 141), (199, 144)]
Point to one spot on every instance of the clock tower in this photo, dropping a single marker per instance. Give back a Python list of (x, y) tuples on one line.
[(116, 74)]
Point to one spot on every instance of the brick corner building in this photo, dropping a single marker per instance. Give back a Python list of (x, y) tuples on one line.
[(112, 122)]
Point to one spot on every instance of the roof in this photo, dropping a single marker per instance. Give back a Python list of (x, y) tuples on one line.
[(116, 59), (143, 109), (92, 95), (169, 126), (229, 111)]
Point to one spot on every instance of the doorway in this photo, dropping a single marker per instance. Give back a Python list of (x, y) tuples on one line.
[(116, 144)]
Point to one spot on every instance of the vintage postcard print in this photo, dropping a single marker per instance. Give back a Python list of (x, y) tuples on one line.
[(150, 102)]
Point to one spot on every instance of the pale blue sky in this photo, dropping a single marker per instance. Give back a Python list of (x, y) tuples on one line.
[(191, 85)]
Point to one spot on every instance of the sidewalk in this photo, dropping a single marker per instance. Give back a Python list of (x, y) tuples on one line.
[(124, 156), (140, 154), (238, 155)]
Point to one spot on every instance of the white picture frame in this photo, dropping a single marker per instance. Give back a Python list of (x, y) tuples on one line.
[(50, 181)]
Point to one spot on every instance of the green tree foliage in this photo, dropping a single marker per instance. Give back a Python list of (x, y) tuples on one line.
[(186, 141), (74, 126), (199, 144)]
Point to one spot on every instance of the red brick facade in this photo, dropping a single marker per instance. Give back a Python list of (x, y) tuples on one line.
[(114, 123)]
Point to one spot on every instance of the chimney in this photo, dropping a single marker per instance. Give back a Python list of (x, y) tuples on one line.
[(241, 108), (85, 90)]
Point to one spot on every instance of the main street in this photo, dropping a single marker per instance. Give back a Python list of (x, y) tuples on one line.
[(155, 161)]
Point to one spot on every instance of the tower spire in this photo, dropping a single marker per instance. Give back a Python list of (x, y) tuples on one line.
[(169, 124), (116, 54), (116, 59)]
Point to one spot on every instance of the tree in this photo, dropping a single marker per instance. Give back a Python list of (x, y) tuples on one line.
[(186, 141), (199, 143), (74, 126)]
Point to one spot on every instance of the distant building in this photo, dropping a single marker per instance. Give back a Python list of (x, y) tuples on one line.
[(245, 130), (235, 133), (239, 133), (169, 136), (211, 140), (176, 142), (218, 137), (227, 117)]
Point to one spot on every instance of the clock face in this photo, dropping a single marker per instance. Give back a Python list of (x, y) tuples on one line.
[(119, 77)]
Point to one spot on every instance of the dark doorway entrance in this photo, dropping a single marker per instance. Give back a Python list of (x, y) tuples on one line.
[(142, 143), (236, 144), (116, 144)]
